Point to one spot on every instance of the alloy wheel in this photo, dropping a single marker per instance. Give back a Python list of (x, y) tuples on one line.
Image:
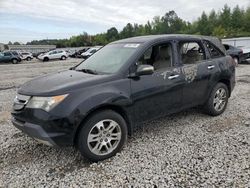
[(104, 137), (220, 99)]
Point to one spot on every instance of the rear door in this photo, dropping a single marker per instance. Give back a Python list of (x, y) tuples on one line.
[(195, 71), (59, 54), (160, 93)]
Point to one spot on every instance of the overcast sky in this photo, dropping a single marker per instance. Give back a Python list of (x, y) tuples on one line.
[(26, 20)]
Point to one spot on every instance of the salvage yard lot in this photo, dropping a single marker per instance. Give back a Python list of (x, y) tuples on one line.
[(185, 149)]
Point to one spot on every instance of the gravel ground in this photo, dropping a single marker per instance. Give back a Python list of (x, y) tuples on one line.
[(182, 150)]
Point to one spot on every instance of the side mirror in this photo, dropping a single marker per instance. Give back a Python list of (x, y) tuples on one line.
[(144, 70)]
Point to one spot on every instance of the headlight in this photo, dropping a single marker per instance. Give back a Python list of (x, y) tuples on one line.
[(45, 103)]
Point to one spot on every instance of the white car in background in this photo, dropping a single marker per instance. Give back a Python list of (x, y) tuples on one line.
[(90, 52), (26, 56), (54, 54)]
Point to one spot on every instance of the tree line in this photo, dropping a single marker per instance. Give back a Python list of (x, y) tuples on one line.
[(225, 23)]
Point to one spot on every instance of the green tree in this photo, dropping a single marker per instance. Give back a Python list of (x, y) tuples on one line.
[(128, 31), (203, 25), (112, 34)]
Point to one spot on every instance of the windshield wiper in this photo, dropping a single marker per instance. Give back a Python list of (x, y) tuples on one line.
[(89, 71)]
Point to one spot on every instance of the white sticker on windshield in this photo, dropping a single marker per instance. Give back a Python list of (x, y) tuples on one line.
[(131, 45)]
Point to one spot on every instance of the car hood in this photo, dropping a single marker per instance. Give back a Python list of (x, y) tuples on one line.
[(60, 83)]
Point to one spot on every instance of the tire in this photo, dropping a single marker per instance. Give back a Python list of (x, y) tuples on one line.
[(217, 101), (28, 58), (102, 125), (46, 59), (236, 60), (63, 58), (14, 61)]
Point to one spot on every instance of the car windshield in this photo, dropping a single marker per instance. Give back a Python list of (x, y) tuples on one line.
[(109, 59)]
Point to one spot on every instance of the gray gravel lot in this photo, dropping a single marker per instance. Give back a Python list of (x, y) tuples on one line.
[(182, 150)]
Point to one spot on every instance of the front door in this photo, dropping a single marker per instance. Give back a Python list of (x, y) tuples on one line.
[(160, 93)]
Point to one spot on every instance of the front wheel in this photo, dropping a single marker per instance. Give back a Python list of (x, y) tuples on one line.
[(45, 59), (102, 135), (217, 101), (63, 58), (14, 61)]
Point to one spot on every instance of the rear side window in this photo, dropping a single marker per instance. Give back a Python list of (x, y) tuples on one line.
[(213, 50), (191, 52)]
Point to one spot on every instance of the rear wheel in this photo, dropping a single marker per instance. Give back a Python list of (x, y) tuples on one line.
[(217, 101), (102, 135), (28, 58)]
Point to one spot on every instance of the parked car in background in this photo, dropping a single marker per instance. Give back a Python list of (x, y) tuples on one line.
[(69, 52), (16, 53), (36, 54), (90, 52), (79, 52), (26, 56), (95, 105), (9, 56), (235, 53), (54, 54), (246, 54)]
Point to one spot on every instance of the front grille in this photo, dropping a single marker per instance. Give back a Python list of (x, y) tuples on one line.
[(20, 101)]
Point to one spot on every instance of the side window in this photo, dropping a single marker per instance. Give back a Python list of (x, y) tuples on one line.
[(191, 52), (7, 54), (214, 51), (93, 51), (159, 56), (51, 53)]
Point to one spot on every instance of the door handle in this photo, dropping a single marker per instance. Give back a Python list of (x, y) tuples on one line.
[(210, 67), (173, 77)]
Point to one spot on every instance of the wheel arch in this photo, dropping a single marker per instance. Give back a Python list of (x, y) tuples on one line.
[(227, 83), (115, 108)]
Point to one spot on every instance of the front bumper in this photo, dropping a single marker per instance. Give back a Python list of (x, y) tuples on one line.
[(46, 128), (35, 131)]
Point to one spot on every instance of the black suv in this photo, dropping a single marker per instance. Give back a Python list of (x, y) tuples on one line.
[(96, 104), (9, 56)]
